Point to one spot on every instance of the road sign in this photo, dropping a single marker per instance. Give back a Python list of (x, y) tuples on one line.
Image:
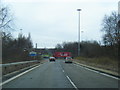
[(32, 53)]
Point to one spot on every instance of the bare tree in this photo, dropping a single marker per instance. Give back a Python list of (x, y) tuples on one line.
[(5, 19), (58, 46), (110, 27)]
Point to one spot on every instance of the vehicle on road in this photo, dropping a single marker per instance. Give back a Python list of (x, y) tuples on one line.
[(68, 60), (52, 59)]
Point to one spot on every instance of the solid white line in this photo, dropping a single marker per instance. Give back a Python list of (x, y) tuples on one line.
[(91, 70), (17, 76), (109, 76), (72, 83), (98, 72)]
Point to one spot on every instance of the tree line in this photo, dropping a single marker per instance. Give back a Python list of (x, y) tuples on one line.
[(88, 49), (16, 49), (13, 49)]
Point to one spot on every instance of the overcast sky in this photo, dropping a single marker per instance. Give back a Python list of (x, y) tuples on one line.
[(55, 21)]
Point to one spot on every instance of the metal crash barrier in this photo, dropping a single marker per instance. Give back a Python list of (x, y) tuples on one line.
[(11, 67)]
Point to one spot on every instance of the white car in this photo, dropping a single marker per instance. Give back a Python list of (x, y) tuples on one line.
[(68, 60), (52, 59)]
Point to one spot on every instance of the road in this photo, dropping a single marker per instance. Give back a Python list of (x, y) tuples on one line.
[(62, 75)]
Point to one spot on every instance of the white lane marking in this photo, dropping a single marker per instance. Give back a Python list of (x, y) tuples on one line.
[(98, 72), (70, 79), (72, 83), (110, 76), (17, 76)]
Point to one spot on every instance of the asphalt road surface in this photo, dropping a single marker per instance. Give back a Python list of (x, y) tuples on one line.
[(62, 75)]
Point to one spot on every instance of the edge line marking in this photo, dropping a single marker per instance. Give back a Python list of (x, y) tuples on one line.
[(18, 75)]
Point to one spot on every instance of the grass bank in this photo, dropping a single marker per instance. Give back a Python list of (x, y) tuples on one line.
[(101, 62)]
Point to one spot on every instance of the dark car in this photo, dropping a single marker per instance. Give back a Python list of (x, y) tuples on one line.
[(52, 59)]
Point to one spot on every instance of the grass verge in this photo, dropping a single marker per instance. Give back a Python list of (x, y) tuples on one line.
[(102, 63)]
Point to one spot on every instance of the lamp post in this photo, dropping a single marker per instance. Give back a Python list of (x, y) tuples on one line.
[(78, 31), (82, 35), (21, 31)]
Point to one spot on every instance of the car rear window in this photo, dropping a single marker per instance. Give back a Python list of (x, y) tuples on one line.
[(68, 58)]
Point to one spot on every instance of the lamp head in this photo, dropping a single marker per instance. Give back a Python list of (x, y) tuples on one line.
[(78, 9)]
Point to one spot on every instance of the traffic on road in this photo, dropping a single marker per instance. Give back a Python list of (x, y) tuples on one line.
[(59, 74)]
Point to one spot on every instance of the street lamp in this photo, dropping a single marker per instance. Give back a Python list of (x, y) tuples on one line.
[(78, 31), (21, 31), (82, 35)]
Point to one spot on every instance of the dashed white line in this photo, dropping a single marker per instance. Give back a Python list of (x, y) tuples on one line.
[(17, 76), (72, 83), (97, 72), (70, 80)]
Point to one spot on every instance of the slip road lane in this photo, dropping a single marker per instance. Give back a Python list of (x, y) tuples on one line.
[(62, 75)]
